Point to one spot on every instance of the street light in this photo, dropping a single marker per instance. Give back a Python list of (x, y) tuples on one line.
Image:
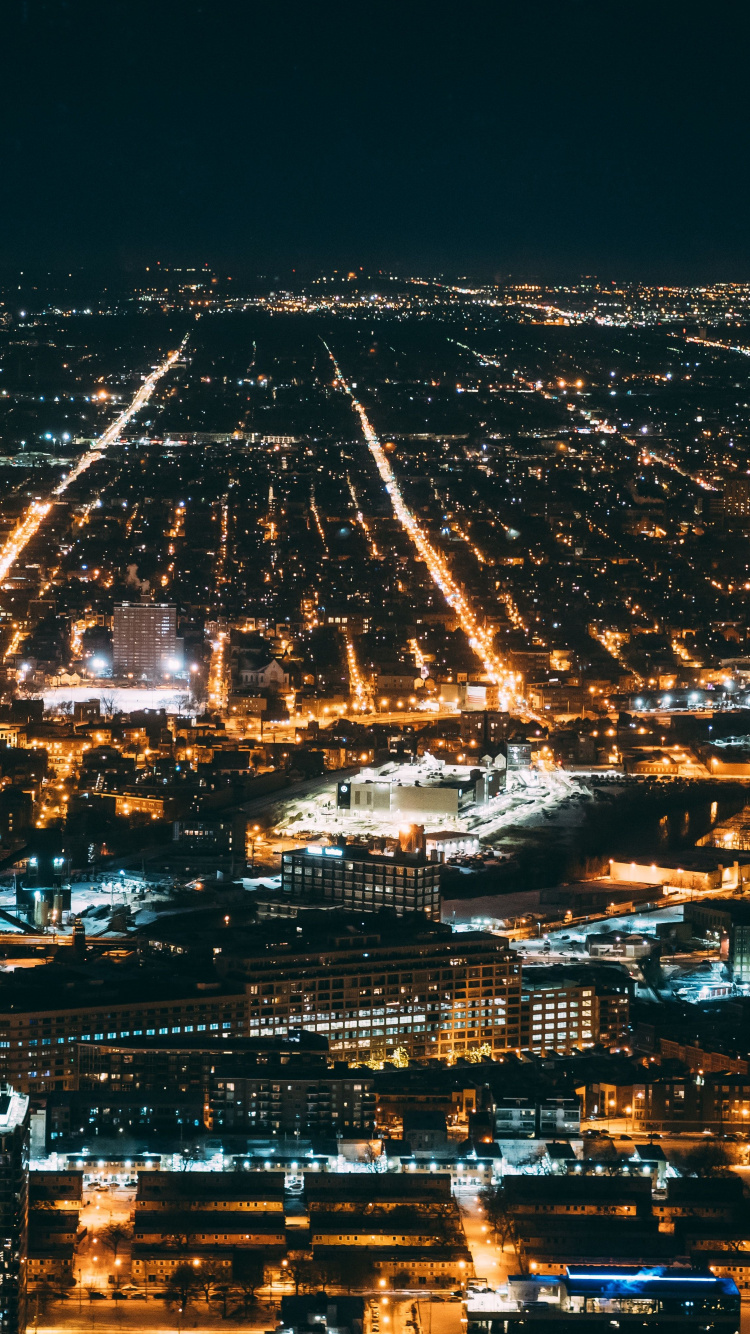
[(253, 840)]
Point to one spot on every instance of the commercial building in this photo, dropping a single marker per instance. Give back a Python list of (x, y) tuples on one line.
[(696, 870), (144, 641), (584, 1297), (426, 790), (363, 881)]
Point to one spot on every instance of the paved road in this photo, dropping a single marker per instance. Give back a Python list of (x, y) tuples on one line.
[(490, 1261), (93, 1262)]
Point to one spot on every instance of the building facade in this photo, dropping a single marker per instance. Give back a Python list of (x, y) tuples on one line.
[(288, 1103), (436, 996), (573, 1016), (368, 995), (363, 881), (144, 641), (14, 1209)]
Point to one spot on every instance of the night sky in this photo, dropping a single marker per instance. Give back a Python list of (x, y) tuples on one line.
[(535, 139)]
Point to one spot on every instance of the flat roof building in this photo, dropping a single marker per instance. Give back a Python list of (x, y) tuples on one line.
[(363, 881), (144, 641)]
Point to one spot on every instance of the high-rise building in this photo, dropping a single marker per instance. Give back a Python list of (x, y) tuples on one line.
[(363, 881), (145, 643), (14, 1208), (737, 497)]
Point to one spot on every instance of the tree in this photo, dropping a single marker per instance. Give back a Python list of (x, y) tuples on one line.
[(116, 1235), (498, 1214), (182, 1286), (192, 1152), (401, 1279), (477, 1054), (249, 1273), (42, 1298), (707, 1159), (60, 1279), (179, 1241), (209, 1278), (55, 1283), (305, 1274), (221, 1292), (354, 1272)]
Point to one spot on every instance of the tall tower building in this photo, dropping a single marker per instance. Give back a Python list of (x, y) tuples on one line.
[(145, 642), (14, 1208)]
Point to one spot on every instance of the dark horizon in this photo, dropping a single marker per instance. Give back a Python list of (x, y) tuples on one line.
[(549, 142)]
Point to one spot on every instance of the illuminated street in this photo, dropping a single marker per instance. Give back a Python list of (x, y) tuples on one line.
[(38, 511), (374, 670), (435, 563)]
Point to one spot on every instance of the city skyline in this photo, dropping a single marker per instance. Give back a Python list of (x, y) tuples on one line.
[(374, 668)]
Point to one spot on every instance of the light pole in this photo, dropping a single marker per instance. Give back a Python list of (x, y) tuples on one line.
[(253, 840)]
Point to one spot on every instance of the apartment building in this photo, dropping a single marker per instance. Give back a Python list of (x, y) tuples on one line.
[(410, 988), (171, 1192), (577, 1196), (14, 1208), (205, 1219), (402, 1224), (144, 640), (44, 1018), (210, 1228), (55, 1202), (560, 1220), (525, 1117), (283, 1101), (427, 993), (354, 1191), (565, 1010)]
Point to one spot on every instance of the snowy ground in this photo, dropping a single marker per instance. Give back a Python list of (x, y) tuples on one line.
[(106, 891), (531, 797), (121, 698)]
